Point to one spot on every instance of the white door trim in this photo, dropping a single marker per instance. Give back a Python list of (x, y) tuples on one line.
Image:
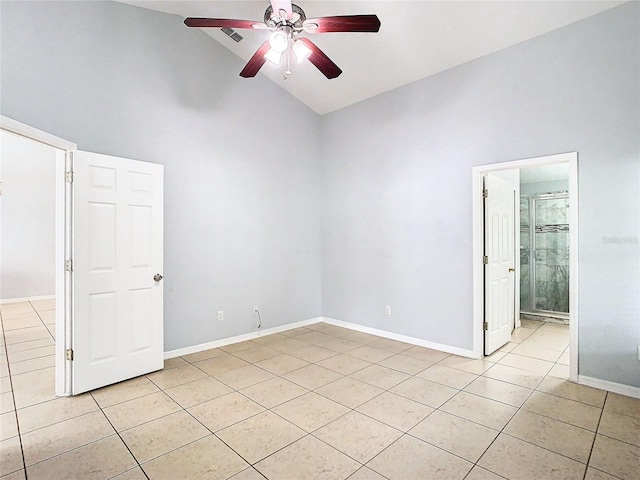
[(63, 242), (18, 128), (478, 230)]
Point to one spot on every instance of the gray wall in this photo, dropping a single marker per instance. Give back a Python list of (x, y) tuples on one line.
[(27, 247), (243, 222), (397, 217), (242, 214)]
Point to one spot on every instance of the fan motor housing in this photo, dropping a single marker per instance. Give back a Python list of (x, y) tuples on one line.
[(274, 20)]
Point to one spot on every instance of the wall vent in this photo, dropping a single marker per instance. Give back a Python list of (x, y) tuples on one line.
[(232, 33)]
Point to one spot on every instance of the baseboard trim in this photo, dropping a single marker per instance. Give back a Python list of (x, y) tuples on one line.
[(332, 321), (238, 338), (26, 299), (401, 338), (614, 387)]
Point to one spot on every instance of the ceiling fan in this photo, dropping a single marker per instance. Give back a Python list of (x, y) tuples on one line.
[(286, 22)]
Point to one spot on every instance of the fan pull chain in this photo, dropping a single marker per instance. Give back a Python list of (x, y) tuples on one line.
[(288, 70)]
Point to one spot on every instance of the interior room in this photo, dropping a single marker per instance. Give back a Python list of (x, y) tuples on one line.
[(316, 245)]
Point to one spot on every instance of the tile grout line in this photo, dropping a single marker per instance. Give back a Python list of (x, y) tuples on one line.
[(251, 465), (33, 358), (13, 391), (97, 404), (13, 398), (520, 408), (384, 390), (402, 433), (350, 410), (120, 437), (387, 390), (500, 432), (42, 321), (415, 375), (58, 455), (595, 436), (42, 324), (275, 413), (92, 442), (198, 420)]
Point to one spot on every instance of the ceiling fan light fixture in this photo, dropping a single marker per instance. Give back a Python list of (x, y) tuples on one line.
[(301, 51), (287, 21), (273, 56), (279, 41)]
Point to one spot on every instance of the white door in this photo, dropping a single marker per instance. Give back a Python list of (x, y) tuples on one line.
[(117, 323), (499, 276)]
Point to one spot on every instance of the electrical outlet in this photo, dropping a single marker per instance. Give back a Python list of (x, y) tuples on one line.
[(220, 315), (387, 310), (255, 309), (639, 353)]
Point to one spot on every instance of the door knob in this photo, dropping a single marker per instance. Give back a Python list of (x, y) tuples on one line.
[(157, 277), (511, 269)]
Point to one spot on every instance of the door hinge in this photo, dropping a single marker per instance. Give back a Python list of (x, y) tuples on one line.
[(69, 354), (68, 265), (485, 260), (69, 177), (485, 325), (485, 193)]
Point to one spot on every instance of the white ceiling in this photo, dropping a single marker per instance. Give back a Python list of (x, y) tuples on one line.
[(417, 39)]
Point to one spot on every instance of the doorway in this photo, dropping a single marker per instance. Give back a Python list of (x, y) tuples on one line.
[(544, 243), (570, 162), (49, 148), (108, 263)]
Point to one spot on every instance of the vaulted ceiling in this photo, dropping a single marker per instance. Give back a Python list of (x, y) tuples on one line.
[(417, 39)]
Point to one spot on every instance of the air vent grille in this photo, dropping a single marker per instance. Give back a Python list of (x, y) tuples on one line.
[(232, 33)]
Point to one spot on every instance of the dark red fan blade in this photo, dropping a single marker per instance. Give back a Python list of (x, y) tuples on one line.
[(320, 60), (345, 23), (219, 22), (256, 62)]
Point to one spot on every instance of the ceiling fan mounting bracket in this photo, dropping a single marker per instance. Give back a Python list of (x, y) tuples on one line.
[(275, 21)]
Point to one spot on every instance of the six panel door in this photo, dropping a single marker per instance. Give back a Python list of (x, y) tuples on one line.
[(117, 250)]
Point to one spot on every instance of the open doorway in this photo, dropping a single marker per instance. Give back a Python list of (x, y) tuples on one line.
[(556, 288), (33, 278), (544, 243), (107, 265)]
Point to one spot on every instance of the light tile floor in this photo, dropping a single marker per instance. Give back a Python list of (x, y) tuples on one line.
[(319, 402)]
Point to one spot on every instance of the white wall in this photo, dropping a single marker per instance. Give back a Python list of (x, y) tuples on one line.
[(27, 203), (549, 186), (242, 212), (397, 216)]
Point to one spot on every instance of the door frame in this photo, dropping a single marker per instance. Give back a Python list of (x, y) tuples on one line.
[(478, 172), (63, 233)]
